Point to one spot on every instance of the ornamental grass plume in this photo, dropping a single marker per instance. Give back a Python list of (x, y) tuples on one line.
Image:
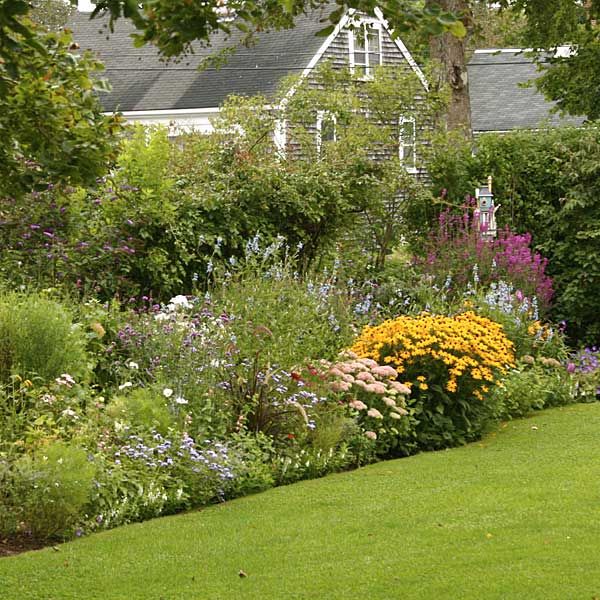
[(449, 363)]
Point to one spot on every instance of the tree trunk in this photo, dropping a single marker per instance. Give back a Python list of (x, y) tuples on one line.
[(449, 52)]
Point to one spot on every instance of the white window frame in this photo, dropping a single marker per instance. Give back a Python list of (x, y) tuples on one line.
[(325, 115), (403, 145), (363, 25)]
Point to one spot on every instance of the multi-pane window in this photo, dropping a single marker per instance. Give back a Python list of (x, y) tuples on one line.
[(365, 48), (407, 142), (326, 128)]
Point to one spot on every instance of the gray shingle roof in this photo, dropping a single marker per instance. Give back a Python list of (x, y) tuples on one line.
[(497, 101), (141, 81)]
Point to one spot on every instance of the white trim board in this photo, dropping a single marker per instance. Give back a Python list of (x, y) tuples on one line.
[(167, 112), (177, 121)]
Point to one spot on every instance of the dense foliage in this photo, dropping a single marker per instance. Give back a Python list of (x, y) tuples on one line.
[(209, 397), (547, 184), (154, 224), (52, 128)]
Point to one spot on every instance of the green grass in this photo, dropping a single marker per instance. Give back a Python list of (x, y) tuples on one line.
[(515, 516)]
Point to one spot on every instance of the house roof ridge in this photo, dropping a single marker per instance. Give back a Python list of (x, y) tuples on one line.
[(502, 50)]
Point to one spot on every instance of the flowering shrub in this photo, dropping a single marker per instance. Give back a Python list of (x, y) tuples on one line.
[(158, 474), (227, 357), (520, 318), (584, 366), (376, 399), (457, 256), (450, 364)]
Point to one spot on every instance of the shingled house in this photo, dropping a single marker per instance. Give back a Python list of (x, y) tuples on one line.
[(500, 103), (148, 90)]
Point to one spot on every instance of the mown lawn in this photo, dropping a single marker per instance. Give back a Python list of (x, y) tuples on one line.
[(515, 516)]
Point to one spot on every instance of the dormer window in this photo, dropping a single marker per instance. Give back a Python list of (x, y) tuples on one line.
[(407, 142), (326, 129), (365, 48)]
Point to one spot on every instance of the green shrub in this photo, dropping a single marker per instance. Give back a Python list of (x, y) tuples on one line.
[(38, 338), (46, 492), (142, 409), (534, 385), (287, 318)]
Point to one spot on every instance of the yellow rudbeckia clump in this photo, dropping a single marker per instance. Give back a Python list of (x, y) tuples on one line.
[(452, 364), (461, 354)]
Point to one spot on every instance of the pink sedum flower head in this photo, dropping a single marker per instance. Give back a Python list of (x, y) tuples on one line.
[(373, 412), (376, 388), (366, 377), (385, 371), (401, 388), (368, 362), (358, 405), (340, 386), (371, 435), (357, 366)]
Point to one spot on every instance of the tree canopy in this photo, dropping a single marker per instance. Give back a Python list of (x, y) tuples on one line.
[(572, 78), (52, 129), (172, 25)]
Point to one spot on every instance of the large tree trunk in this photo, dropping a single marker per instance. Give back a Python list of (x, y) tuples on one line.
[(449, 51)]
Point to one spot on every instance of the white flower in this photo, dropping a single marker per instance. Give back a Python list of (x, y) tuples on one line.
[(133, 365), (125, 385), (65, 379), (167, 392), (180, 400), (68, 412), (161, 316), (179, 302)]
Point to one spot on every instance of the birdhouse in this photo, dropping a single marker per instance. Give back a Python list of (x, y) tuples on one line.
[(485, 213)]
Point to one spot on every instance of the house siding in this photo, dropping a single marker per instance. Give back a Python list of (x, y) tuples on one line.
[(338, 55)]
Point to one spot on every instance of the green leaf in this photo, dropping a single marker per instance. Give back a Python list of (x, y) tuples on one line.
[(458, 29), (326, 31)]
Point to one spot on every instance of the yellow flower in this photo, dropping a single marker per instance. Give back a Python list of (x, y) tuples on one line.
[(98, 329), (466, 348)]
